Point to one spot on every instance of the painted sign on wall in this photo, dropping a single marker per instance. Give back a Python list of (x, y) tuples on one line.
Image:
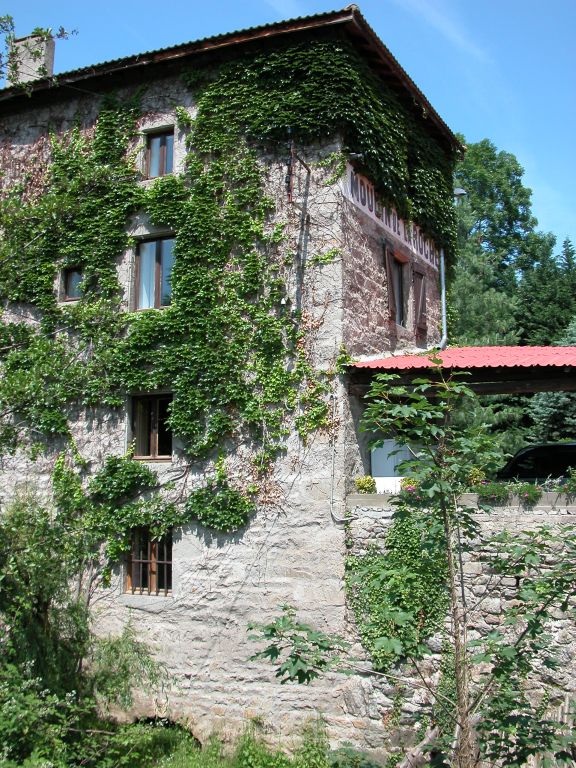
[(360, 191)]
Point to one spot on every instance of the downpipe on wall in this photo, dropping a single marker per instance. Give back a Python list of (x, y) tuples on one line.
[(444, 339)]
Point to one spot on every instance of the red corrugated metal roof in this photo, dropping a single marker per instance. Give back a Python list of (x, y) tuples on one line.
[(480, 357)]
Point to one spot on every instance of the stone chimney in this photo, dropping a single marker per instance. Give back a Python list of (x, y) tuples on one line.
[(31, 58)]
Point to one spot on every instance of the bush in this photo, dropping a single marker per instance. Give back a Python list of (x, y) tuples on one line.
[(365, 484), (569, 487), (348, 757), (528, 493), (493, 492)]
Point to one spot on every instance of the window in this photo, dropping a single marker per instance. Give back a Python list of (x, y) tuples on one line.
[(159, 153), (385, 463), (149, 567), (72, 284), (154, 263), (151, 433), (419, 302), (395, 272)]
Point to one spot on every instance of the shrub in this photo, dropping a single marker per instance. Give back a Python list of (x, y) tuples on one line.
[(493, 492), (528, 493), (348, 757), (365, 484)]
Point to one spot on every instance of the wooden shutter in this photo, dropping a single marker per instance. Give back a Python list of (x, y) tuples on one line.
[(389, 261), (420, 320)]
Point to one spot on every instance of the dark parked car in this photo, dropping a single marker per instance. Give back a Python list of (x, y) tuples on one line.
[(537, 462)]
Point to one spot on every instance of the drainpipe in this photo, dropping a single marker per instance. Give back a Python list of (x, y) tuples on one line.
[(444, 339)]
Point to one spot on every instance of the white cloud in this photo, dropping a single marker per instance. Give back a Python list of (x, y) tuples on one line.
[(439, 17)]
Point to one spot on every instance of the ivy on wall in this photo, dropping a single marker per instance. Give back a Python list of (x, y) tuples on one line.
[(117, 499), (398, 595), (320, 89), (227, 348)]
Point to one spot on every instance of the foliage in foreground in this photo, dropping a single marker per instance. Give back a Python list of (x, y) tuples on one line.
[(55, 677), (251, 752), (162, 744)]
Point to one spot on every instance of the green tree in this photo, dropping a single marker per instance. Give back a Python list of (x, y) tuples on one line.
[(546, 297), (42, 624), (481, 312), (55, 676), (497, 241), (507, 287), (500, 204), (553, 414)]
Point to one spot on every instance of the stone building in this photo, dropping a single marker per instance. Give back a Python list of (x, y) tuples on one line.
[(185, 269)]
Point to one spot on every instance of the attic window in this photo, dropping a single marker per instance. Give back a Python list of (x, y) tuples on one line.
[(159, 153), (72, 284), (149, 567)]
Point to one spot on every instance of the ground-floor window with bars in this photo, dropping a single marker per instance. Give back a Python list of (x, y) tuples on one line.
[(149, 567)]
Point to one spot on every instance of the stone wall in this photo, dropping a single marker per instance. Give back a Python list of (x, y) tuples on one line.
[(293, 550), (368, 327), (488, 595)]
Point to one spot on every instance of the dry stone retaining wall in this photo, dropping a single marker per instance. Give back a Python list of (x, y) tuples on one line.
[(488, 595)]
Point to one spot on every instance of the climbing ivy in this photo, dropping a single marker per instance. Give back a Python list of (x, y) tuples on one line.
[(318, 90), (399, 594), (233, 355), (116, 500)]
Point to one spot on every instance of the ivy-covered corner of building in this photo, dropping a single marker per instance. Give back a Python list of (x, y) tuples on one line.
[(232, 357)]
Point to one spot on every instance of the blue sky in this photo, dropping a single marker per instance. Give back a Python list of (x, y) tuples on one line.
[(498, 69)]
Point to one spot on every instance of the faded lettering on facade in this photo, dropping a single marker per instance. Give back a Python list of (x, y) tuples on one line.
[(360, 191)]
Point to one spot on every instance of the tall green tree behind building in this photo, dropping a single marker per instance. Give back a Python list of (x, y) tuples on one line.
[(554, 413), (546, 296), (508, 287)]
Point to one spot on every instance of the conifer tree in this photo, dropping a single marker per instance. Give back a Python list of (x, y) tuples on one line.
[(554, 413)]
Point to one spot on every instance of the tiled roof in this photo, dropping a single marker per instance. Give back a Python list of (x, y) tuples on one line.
[(480, 357)]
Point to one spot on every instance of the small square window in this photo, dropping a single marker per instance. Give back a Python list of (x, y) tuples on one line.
[(72, 284), (149, 566), (150, 430), (154, 263), (159, 153)]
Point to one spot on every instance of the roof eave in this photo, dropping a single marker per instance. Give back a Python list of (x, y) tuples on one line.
[(174, 53), (392, 63)]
